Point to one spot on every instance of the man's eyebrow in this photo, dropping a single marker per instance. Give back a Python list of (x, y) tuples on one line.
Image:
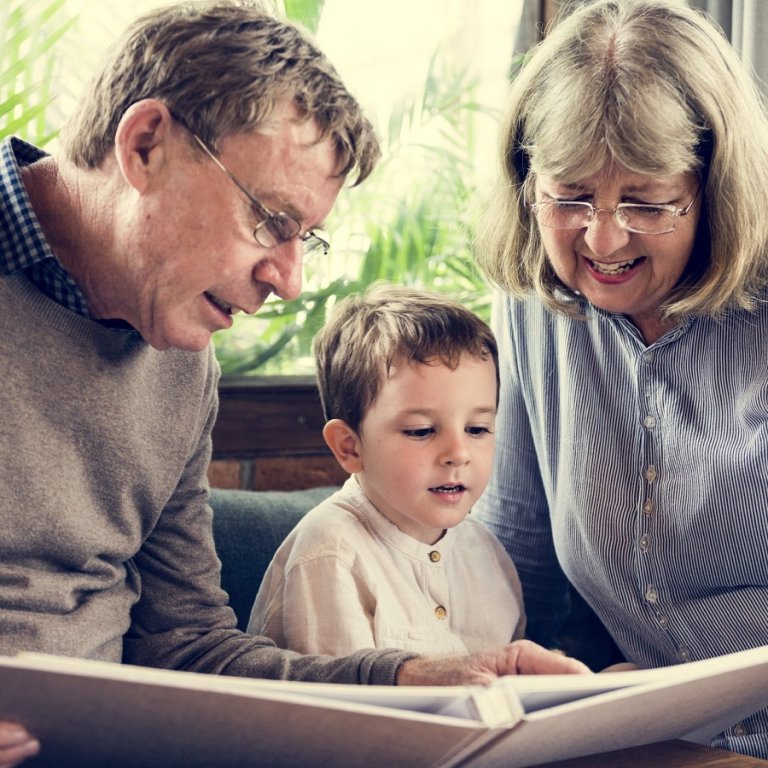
[(287, 208)]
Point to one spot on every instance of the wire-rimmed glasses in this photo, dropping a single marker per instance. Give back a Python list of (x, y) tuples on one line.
[(642, 218), (275, 228)]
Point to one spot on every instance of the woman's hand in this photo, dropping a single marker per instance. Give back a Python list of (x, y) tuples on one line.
[(16, 744), (623, 666)]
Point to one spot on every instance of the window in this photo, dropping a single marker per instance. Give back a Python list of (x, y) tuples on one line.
[(429, 74)]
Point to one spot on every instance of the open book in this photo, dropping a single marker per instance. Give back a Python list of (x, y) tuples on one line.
[(90, 713)]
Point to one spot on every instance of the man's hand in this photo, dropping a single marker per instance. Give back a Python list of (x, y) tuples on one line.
[(16, 744), (521, 657)]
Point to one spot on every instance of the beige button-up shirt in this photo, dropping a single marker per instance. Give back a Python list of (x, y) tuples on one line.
[(347, 578)]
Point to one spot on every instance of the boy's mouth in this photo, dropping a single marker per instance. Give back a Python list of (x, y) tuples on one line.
[(458, 488)]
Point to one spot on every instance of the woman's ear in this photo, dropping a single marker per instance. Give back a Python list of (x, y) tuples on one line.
[(142, 141), (345, 445)]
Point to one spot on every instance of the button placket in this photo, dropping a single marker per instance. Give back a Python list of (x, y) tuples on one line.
[(645, 521)]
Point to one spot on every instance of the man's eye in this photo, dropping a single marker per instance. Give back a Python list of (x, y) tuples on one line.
[(422, 432)]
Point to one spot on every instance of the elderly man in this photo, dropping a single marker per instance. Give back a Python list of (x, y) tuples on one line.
[(194, 174)]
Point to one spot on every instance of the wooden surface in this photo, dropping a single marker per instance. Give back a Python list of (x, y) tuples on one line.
[(269, 415), (669, 754)]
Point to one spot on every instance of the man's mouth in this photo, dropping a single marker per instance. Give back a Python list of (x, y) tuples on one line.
[(220, 304), (617, 268)]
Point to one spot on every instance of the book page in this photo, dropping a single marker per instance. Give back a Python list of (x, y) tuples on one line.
[(94, 714), (698, 699)]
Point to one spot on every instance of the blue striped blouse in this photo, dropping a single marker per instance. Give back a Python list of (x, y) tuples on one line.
[(641, 473)]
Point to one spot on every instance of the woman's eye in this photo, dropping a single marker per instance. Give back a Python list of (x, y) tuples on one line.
[(421, 432), (647, 210)]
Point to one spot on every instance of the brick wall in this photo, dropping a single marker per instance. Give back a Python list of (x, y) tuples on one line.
[(268, 436), (275, 473)]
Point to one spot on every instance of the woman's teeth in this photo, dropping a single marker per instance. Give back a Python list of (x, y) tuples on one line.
[(613, 269)]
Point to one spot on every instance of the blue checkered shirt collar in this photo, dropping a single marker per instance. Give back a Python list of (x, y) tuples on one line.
[(23, 247)]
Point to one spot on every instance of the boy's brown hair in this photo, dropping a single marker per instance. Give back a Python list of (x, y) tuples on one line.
[(368, 332)]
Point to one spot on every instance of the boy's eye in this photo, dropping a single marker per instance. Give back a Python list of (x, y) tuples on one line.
[(421, 432), (478, 431)]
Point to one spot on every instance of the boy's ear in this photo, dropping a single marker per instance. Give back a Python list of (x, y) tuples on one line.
[(344, 443), (142, 141)]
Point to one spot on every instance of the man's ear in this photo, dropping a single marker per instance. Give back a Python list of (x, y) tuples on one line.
[(344, 443), (142, 141)]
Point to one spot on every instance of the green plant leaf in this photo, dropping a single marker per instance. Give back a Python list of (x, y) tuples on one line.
[(306, 12), (29, 34)]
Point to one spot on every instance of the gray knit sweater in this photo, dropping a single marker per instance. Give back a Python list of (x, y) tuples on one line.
[(106, 550)]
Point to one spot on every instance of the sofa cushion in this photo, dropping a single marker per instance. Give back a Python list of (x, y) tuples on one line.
[(248, 526)]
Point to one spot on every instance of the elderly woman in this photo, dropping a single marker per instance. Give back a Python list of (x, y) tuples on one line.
[(628, 234)]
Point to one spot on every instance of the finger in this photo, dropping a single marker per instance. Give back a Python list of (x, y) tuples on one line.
[(16, 745), (532, 659), (16, 755)]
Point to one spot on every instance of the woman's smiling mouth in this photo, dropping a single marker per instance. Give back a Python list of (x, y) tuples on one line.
[(616, 268)]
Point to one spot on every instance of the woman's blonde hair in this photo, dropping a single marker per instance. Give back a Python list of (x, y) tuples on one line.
[(220, 67), (655, 87)]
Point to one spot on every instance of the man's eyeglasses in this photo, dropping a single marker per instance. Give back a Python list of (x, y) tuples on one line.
[(633, 217), (274, 228)]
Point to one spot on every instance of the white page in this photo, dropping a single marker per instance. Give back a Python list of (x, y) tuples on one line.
[(427, 700), (695, 699)]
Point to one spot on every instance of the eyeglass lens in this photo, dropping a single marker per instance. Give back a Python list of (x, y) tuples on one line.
[(649, 219)]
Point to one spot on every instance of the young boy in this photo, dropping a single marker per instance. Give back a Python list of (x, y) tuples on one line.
[(409, 386)]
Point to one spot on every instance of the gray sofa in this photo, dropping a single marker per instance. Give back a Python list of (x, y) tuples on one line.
[(248, 526)]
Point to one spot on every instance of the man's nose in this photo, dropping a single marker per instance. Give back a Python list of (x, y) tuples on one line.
[(282, 268)]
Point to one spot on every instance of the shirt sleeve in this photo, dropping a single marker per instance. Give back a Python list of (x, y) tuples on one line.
[(182, 620), (514, 506), (326, 608)]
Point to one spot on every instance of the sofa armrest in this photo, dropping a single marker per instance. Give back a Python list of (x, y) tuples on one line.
[(248, 527)]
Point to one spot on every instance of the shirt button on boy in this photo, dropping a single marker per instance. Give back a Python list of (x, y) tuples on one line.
[(440, 612), (434, 556)]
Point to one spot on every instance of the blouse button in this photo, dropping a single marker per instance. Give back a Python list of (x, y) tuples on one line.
[(440, 612), (434, 556)]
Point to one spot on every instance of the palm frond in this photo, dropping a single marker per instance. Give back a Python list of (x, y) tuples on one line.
[(29, 35)]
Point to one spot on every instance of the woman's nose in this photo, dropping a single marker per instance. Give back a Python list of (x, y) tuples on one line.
[(604, 235)]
